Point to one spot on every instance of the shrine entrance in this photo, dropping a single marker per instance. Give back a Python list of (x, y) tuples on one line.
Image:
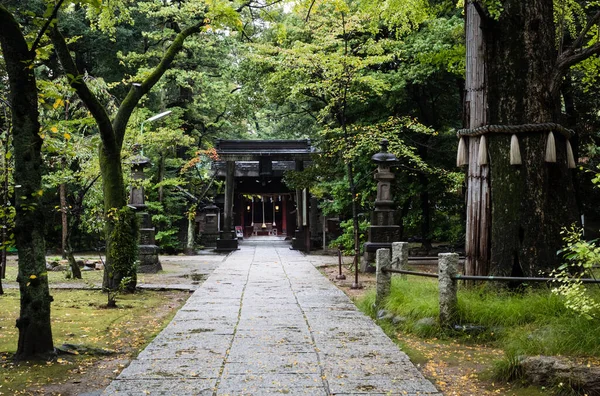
[(266, 214), (256, 201)]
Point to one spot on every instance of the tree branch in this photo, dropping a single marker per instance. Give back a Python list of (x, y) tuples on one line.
[(309, 11), (248, 4), (565, 62), (87, 97), (568, 61), (579, 40), (573, 55), (86, 188), (137, 91), (42, 32)]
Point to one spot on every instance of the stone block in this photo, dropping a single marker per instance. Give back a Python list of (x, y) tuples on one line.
[(389, 234), (226, 245), (448, 268), (384, 279)]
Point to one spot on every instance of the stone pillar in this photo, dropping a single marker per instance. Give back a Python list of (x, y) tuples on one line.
[(147, 249), (382, 231), (383, 278), (228, 241), (447, 269), (399, 255)]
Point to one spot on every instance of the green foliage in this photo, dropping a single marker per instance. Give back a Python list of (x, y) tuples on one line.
[(357, 72), (166, 217), (346, 240), (569, 17), (494, 8), (70, 147), (509, 368), (580, 256)]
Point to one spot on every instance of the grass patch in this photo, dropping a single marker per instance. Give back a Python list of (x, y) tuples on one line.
[(77, 318), (528, 322)]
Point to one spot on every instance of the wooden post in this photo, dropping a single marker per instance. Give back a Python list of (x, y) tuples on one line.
[(477, 244)]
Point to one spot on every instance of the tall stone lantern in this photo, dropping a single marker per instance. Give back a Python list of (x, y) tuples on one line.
[(382, 231), (147, 249)]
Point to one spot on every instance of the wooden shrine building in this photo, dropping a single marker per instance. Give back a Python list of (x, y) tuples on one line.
[(256, 200)]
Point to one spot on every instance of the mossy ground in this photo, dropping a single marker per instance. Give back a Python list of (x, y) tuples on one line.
[(78, 318)]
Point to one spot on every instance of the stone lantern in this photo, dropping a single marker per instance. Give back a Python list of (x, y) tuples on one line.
[(382, 231), (147, 249), (209, 224)]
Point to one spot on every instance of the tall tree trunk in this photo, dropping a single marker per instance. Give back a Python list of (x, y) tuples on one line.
[(531, 202), (161, 176), (5, 202), (190, 236), (35, 334), (63, 215), (113, 188), (75, 270), (477, 243)]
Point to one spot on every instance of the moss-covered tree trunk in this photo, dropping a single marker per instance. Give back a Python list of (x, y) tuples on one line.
[(120, 255), (35, 334), (115, 199), (529, 202)]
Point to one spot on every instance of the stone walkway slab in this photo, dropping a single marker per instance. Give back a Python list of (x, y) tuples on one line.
[(266, 322)]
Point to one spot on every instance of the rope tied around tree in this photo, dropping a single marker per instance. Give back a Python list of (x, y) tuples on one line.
[(515, 153)]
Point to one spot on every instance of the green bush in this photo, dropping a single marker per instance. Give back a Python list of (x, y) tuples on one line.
[(346, 240)]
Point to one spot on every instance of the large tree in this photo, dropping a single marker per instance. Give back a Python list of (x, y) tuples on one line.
[(35, 334), (112, 132), (178, 21), (515, 74)]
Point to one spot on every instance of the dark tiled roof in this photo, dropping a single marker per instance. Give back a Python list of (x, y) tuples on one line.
[(253, 150)]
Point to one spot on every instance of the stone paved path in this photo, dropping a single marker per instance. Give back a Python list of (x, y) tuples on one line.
[(266, 322)]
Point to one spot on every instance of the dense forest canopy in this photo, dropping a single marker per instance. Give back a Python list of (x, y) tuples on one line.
[(343, 73)]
